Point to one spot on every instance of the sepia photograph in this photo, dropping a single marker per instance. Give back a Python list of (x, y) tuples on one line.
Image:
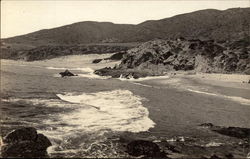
[(137, 79)]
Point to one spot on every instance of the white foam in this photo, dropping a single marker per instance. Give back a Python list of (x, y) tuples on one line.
[(56, 68), (119, 110), (142, 78), (233, 98), (213, 144), (140, 84), (88, 72), (93, 76), (83, 69)]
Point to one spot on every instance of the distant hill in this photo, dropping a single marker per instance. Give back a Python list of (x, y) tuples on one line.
[(213, 24), (210, 23)]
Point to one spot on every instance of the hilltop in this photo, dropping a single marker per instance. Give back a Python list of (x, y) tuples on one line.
[(213, 24)]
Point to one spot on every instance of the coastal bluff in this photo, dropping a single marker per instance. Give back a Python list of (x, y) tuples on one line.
[(158, 56)]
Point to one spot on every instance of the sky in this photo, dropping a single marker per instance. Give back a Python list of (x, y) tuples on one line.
[(25, 16)]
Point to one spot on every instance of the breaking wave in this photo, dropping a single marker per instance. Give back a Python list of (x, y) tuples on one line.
[(84, 119), (118, 110)]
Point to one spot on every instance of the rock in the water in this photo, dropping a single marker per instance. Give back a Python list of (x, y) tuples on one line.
[(25, 142), (28, 133), (233, 131), (242, 133), (117, 56), (207, 125), (67, 73), (121, 73), (96, 60), (144, 148)]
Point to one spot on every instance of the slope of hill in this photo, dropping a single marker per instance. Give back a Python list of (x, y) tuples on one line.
[(209, 23), (205, 24)]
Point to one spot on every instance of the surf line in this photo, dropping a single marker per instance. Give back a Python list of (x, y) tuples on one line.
[(233, 98), (98, 108)]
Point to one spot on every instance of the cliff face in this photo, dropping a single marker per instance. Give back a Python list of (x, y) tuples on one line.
[(202, 56)]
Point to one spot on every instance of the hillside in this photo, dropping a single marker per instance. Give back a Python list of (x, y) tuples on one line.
[(210, 23), (205, 24), (159, 56)]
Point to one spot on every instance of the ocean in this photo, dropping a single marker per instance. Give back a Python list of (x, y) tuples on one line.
[(93, 116)]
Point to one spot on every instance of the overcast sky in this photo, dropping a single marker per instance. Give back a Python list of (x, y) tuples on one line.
[(21, 17)]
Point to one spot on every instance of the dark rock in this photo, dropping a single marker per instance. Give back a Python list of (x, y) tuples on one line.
[(124, 73), (233, 131), (28, 133), (207, 125), (242, 133), (67, 73), (171, 147), (25, 142), (144, 148), (215, 157), (96, 60), (229, 156), (42, 141), (116, 56)]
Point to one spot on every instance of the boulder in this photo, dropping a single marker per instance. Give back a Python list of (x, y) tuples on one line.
[(116, 56), (25, 142), (206, 125), (67, 73), (96, 60), (144, 148)]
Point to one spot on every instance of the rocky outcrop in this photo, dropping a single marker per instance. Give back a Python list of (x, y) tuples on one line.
[(123, 73), (144, 148), (241, 133), (97, 60), (159, 56), (115, 57), (66, 73), (203, 56), (25, 142)]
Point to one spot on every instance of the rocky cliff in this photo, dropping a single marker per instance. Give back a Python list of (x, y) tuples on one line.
[(159, 56)]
